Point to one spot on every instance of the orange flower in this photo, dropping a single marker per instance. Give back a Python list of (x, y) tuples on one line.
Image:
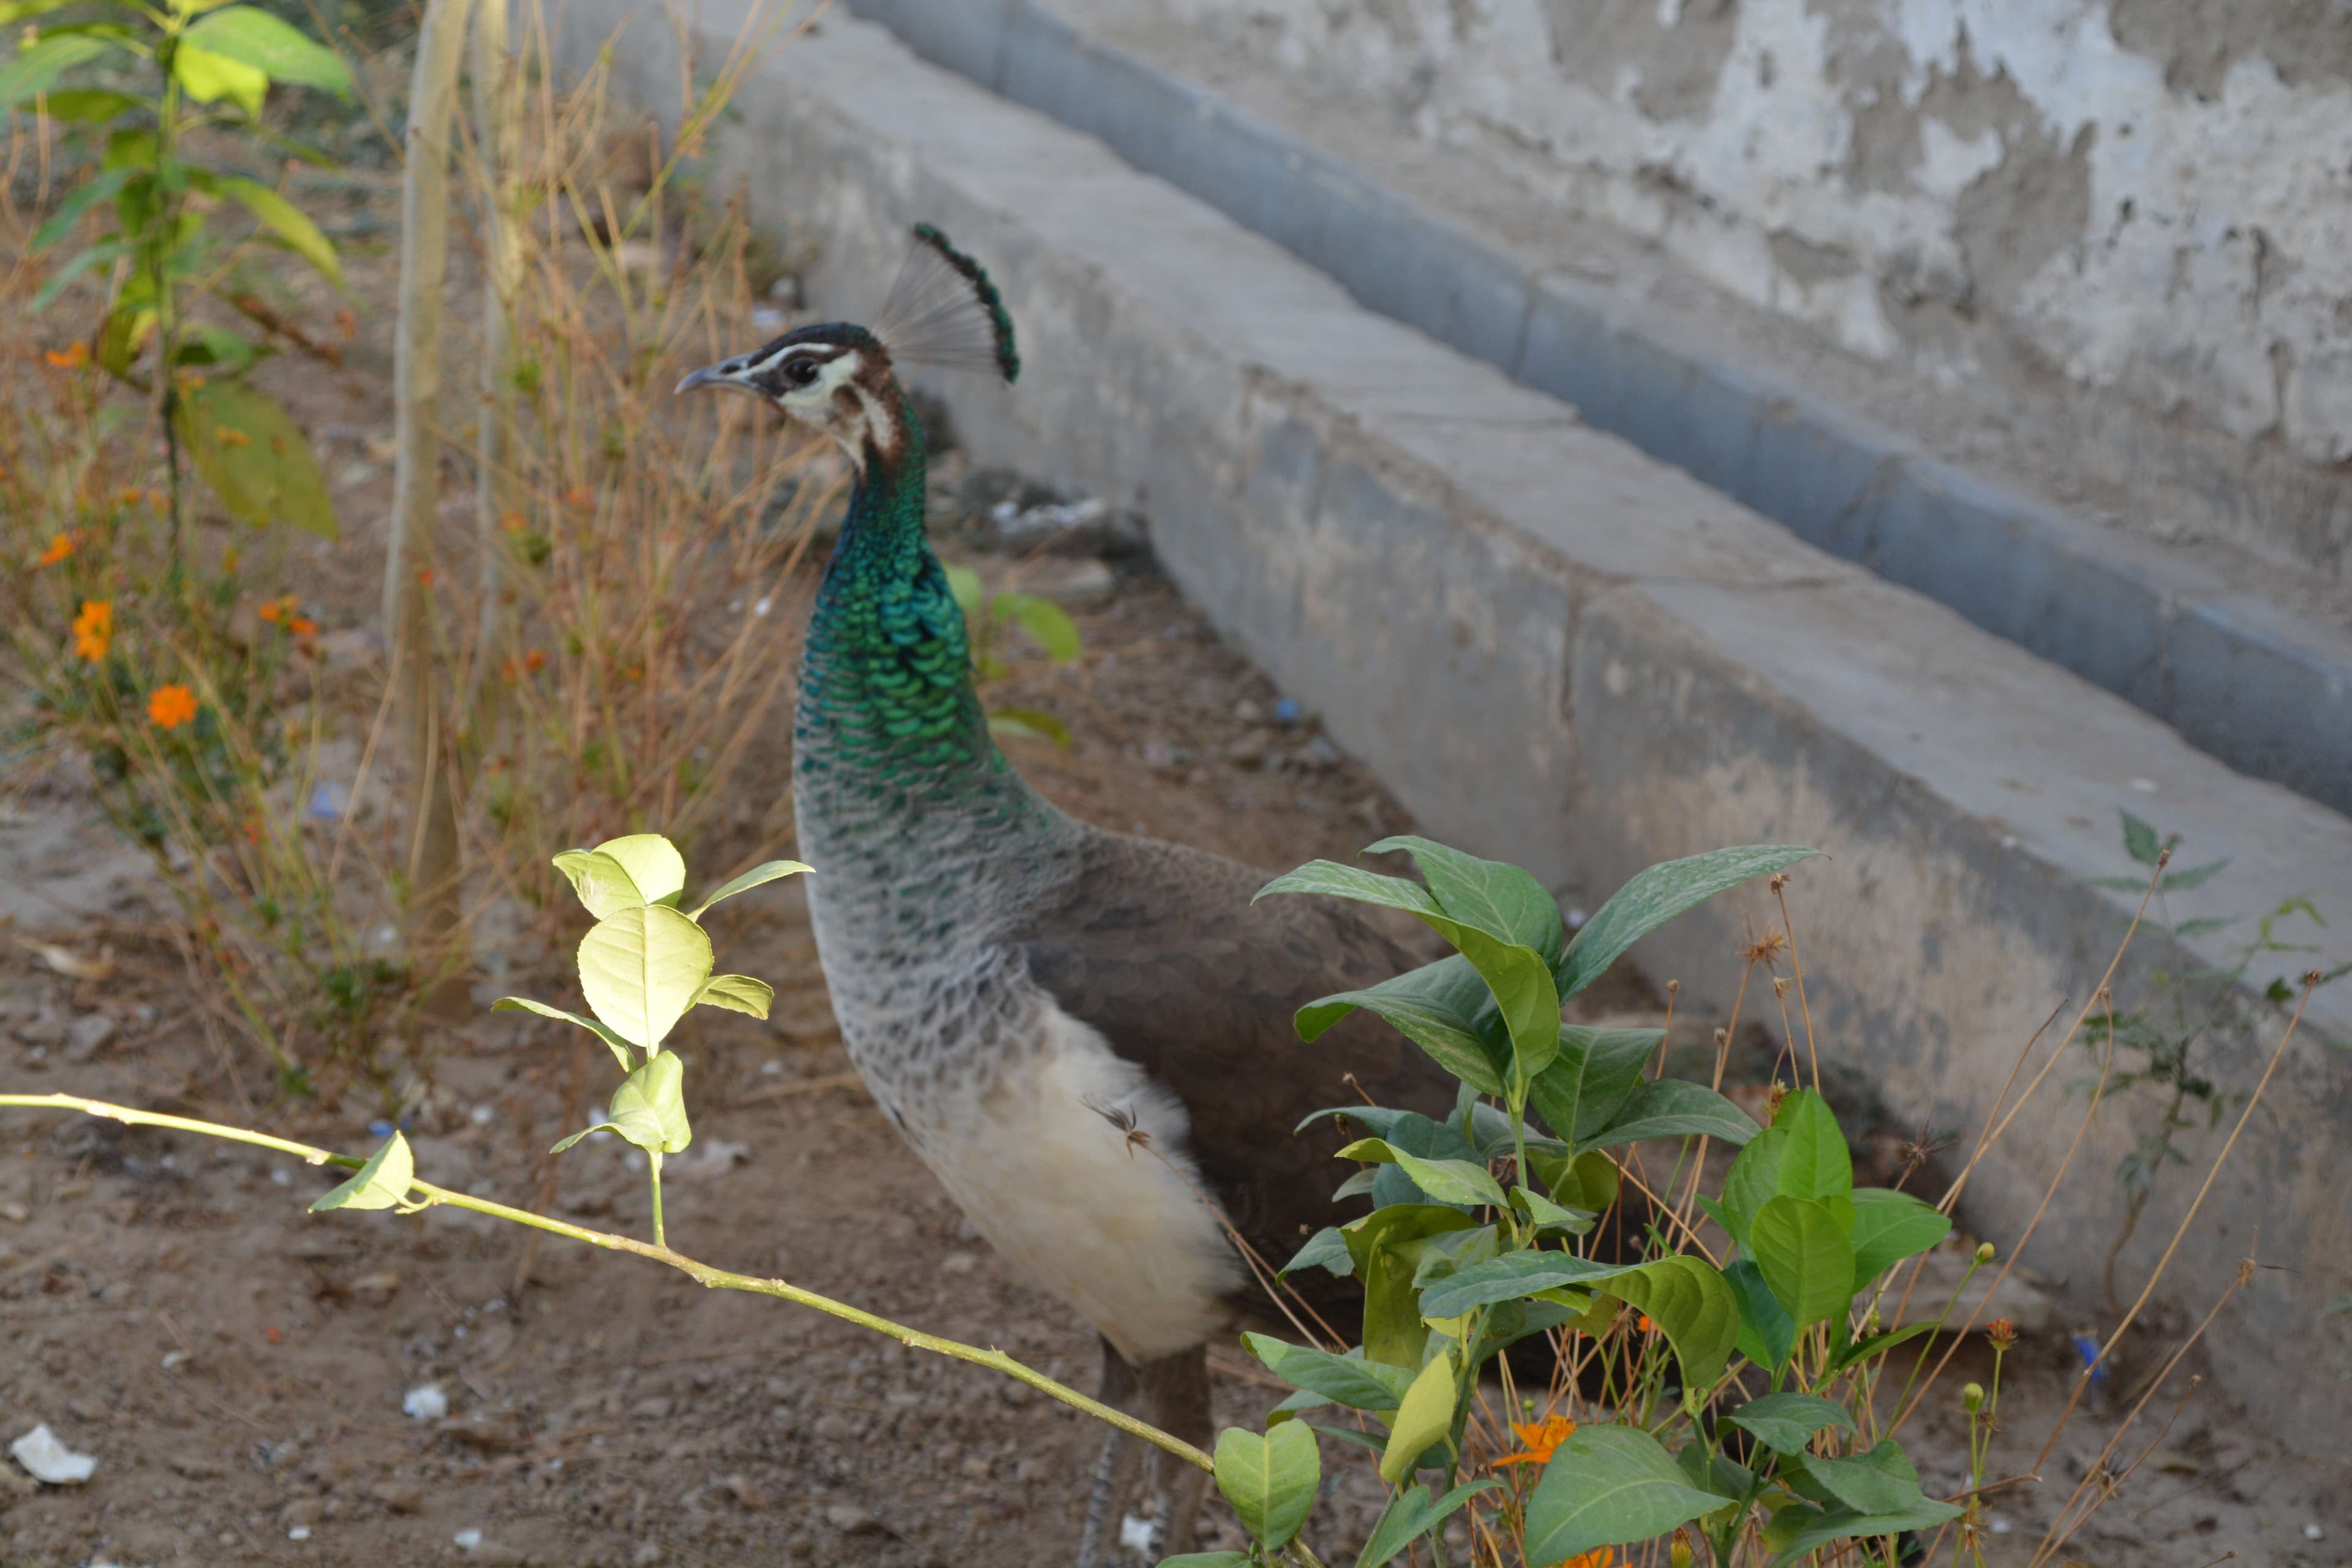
[(60, 546), (278, 609), (1541, 1438), (93, 629), (534, 661), (425, 577), (128, 495), (512, 521), (171, 707), (303, 626), (74, 356), (1599, 1557), (1646, 1324)]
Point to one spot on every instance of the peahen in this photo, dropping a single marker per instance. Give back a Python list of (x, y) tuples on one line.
[(1085, 1036)]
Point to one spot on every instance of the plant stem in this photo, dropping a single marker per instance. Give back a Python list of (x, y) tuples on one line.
[(653, 1160), (425, 1194)]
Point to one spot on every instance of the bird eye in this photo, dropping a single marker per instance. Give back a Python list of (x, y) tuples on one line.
[(800, 372)]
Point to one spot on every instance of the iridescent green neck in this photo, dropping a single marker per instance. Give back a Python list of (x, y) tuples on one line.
[(889, 731)]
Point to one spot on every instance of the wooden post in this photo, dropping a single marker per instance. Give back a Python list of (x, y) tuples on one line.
[(428, 721)]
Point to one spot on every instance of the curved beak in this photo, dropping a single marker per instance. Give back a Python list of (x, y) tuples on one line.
[(717, 375)]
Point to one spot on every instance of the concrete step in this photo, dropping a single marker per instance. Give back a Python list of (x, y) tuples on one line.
[(1558, 650), (2263, 689)]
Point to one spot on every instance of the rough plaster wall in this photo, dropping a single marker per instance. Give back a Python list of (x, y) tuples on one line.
[(2151, 198)]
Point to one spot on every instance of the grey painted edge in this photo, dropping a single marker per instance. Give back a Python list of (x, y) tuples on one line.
[(2271, 700)]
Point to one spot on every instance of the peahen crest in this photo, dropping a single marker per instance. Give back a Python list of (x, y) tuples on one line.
[(944, 311)]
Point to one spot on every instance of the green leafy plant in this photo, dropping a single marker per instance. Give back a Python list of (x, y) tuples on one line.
[(199, 66), (1731, 1395), (989, 618), (2189, 1005), (643, 966)]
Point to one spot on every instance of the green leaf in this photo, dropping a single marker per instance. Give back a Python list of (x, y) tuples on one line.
[(1331, 879), (1589, 1182), (277, 49), (1409, 1516), (1381, 1245), (1675, 1108), (648, 1108), (104, 187), (603, 885), (1447, 1181), (764, 872), (2192, 877), (208, 77), (1881, 1481), (1327, 1250), (1807, 1530), (2141, 842), (382, 1183), (1767, 1336), (32, 71), (254, 456), (1806, 1258), (1269, 1481), (963, 583), (1814, 1161), (288, 223), (1435, 1007), (1860, 1349), (737, 993), (81, 105), (1889, 1227), (1045, 621), (1544, 1214), (1422, 1420), (1492, 895), (15, 11), (641, 970), (654, 867), (1691, 1306), (1753, 1181), (1657, 896), (1028, 723), (1608, 1485), (1349, 1380), (619, 1047), (102, 254), (1517, 975), (1591, 1079), (1786, 1423)]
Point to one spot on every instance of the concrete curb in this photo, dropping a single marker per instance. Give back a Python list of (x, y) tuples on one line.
[(1557, 649), (2268, 693)]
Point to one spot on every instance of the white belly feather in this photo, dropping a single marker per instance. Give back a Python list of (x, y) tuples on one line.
[(1056, 1187)]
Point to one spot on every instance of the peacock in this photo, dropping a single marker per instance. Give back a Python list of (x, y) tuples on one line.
[(1085, 1036)]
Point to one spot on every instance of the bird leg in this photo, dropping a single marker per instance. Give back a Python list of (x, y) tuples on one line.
[(1176, 1400), (1115, 1472)]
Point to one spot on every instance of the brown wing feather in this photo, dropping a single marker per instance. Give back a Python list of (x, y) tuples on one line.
[(1159, 947)]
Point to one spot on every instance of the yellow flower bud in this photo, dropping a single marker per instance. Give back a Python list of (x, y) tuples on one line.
[(1973, 1398), (1984, 1252)]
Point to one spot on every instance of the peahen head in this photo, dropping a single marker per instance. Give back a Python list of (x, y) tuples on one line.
[(842, 379)]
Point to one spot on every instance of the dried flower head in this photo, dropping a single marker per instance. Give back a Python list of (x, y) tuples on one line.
[(2002, 1333)]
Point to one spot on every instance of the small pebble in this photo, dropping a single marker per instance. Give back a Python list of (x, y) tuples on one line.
[(468, 1540), (425, 1402), (300, 1532), (2311, 1532)]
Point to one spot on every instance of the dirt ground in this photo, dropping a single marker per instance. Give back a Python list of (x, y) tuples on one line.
[(239, 1370)]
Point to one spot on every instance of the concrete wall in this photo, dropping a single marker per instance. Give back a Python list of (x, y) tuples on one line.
[(2146, 199)]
